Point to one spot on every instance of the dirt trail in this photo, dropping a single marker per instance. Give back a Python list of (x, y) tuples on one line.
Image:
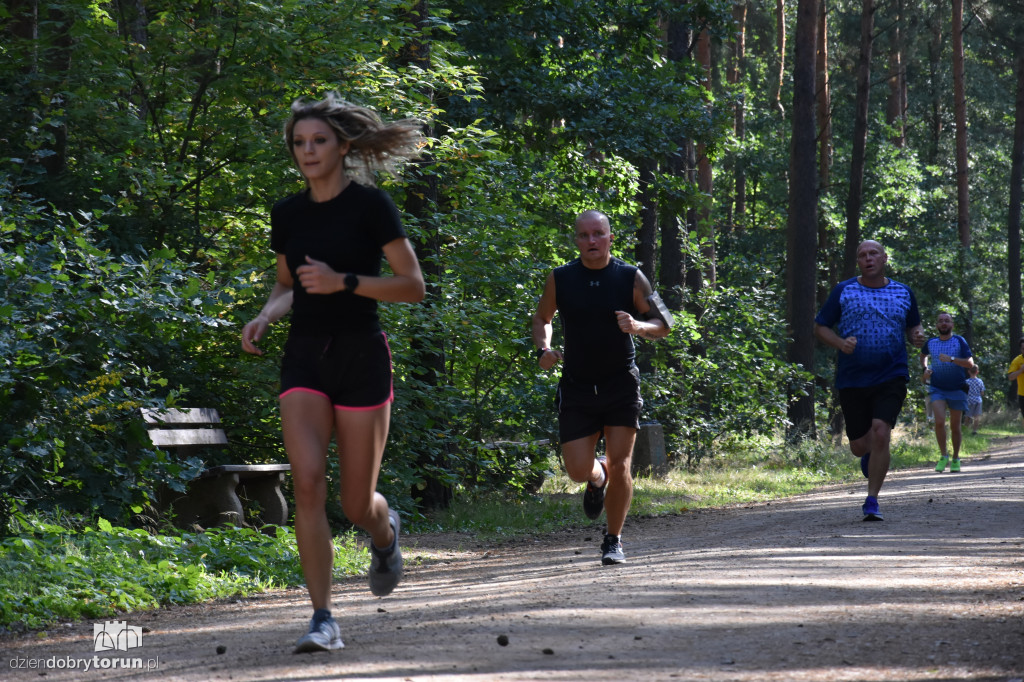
[(799, 589)]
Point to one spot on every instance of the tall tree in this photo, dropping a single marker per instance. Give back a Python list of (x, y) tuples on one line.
[(855, 196), (935, 24), (963, 188), (780, 46), (824, 100), (678, 36), (421, 201), (963, 204), (1013, 237), (705, 174), (647, 236), (802, 229), (896, 107), (824, 120), (737, 208)]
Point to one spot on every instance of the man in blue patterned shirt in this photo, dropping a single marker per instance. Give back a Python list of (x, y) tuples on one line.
[(945, 359), (872, 316)]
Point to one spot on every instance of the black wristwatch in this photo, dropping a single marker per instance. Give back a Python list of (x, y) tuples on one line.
[(351, 282), (541, 352)]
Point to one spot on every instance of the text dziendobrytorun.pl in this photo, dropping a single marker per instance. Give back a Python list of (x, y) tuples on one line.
[(85, 664)]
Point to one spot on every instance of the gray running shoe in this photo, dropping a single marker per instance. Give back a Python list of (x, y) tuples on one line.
[(611, 551), (324, 635), (386, 565), (593, 497)]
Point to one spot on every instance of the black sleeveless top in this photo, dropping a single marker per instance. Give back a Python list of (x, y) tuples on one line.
[(595, 348)]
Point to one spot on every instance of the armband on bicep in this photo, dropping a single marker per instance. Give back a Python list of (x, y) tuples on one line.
[(659, 310)]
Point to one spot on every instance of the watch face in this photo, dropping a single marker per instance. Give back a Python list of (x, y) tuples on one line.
[(351, 282)]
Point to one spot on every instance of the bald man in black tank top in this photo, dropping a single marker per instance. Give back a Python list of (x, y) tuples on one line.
[(599, 299)]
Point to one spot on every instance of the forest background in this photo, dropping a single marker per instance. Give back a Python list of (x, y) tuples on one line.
[(742, 150)]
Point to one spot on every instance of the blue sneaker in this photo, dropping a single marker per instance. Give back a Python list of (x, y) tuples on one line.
[(870, 509), (864, 463)]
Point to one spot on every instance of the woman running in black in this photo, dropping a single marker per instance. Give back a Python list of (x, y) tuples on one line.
[(336, 370)]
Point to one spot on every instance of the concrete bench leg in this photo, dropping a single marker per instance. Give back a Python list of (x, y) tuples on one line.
[(212, 501), (266, 491), (649, 450)]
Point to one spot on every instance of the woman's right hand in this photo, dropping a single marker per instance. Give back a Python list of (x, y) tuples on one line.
[(253, 332)]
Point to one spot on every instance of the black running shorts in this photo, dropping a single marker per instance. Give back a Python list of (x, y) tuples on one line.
[(863, 404), (352, 370), (585, 409)]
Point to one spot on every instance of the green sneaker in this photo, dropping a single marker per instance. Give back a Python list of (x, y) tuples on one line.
[(941, 466), (954, 466)]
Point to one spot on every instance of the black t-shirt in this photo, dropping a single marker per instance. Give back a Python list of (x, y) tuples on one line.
[(595, 348), (348, 233)]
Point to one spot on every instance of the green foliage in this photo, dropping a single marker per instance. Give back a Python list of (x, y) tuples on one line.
[(562, 71), (87, 332), (722, 377), (143, 152), (51, 571)]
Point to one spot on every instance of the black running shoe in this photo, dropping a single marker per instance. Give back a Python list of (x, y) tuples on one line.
[(593, 497), (611, 551)]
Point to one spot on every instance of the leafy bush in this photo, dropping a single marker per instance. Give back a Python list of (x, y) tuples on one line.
[(77, 360), (721, 379), (50, 572)]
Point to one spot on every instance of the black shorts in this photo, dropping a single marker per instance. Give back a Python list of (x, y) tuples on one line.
[(585, 409), (352, 369), (1020, 404), (861, 405)]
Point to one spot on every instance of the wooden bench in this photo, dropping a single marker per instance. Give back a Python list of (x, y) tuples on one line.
[(216, 496)]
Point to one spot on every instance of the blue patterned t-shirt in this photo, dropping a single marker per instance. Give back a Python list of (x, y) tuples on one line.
[(947, 376), (879, 319), (975, 387)]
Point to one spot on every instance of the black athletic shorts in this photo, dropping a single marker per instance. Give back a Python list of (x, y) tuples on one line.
[(352, 369), (1020, 404), (585, 409), (861, 405)]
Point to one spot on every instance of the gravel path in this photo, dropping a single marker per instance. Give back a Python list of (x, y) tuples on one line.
[(798, 589)]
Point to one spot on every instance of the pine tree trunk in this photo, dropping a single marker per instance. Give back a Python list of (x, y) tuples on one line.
[(646, 243), (705, 174), (780, 43), (963, 191), (896, 106), (963, 204), (826, 242), (824, 100), (860, 139), (934, 69), (739, 204), (801, 245), (1013, 238), (421, 203)]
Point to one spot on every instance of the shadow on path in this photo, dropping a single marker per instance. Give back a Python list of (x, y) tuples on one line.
[(798, 589)]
